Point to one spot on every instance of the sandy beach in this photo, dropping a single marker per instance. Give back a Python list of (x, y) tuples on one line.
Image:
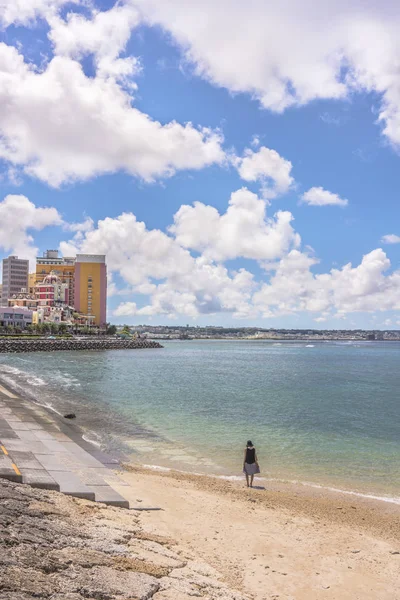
[(277, 540), (283, 542)]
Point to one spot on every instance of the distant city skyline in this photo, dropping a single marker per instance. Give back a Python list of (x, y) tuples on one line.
[(236, 171)]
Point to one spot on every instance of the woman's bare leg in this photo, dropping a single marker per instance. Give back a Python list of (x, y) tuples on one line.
[(247, 480), (251, 480)]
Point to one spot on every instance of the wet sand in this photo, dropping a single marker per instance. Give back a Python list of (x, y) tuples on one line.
[(287, 542)]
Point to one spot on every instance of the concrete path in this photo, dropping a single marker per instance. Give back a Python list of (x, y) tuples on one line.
[(44, 452)]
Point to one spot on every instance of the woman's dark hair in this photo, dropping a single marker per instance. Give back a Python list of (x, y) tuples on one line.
[(249, 444)]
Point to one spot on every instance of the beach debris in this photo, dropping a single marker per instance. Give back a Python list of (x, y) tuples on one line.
[(355, 551), (394, 552), (70, 416)]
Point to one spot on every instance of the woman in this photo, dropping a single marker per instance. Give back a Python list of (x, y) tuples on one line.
[(250, 463)]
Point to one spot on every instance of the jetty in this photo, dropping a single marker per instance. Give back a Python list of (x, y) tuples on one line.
[(18, 345)]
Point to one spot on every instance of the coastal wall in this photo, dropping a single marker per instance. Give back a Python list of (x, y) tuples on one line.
[(50, 345)]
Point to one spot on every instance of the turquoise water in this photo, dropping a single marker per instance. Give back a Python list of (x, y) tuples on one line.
[(327, 413)]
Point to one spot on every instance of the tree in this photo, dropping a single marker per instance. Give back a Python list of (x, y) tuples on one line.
[(62, 328), (54, 327), (126, 330), (111, 329)]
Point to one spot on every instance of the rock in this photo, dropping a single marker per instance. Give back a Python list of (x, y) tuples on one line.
[(70, 416), (57, 548), (16, 345), (394, 552), (355, 551), (104, 582)]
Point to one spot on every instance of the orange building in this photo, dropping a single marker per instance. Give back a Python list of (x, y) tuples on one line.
[(64, 268), (91, 286)]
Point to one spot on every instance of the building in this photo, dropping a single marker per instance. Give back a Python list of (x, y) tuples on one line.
[(15, 317), (15, 277), (52, 292), (31, 282), (91, 287), (63, 267), (24, 299)]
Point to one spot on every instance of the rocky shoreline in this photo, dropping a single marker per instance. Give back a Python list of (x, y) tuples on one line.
[(55, 547), (50, 345)]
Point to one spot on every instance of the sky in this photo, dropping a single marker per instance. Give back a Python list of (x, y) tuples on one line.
[(237, 162)]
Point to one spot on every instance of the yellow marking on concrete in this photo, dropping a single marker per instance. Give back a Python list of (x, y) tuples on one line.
[(7, 393), (4, 450), (18, 472)]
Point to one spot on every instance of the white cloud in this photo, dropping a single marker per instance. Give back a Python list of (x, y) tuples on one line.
[(317, 196), (243, 230), (391, 238), (151, 262), (126, 309), (25, 12), (18, 215), (161, 266), (60, 126), (294, 288), (269, 168), (290, 53), (84, 226), (103, 34)]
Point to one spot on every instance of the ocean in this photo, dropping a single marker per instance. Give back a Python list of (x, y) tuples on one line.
[(324, 414)]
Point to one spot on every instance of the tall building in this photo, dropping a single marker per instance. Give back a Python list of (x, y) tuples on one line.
[(63, 267), (91, 286), (31, 282), (15, 277)]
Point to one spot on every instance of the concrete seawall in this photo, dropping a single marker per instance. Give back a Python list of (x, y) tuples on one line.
[(47, 345)]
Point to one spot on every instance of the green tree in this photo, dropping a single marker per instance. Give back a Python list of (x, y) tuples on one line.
[(63, 328), (126, 330), (111, 329)]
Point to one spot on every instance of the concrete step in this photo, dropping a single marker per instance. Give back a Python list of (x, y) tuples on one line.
[(107, 495), (39, 478), (35, 449), (71, 485), (8, 470)]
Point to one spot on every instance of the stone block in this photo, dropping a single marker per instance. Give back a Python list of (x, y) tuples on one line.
[(106, 495), (7, 470), (39, 478), (25, 460), (71, 485)]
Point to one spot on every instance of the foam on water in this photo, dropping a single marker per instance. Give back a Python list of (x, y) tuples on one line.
[(35, 381), (87, 437)]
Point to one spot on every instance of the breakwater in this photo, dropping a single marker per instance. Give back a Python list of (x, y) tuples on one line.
[(50, 345)]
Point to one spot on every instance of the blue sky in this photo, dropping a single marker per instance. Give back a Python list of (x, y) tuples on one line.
[(79, 140)]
